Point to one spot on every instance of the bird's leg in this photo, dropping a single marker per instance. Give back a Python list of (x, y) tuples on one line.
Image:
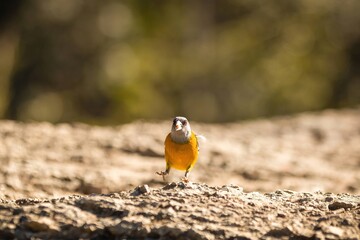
[(164, 173), (185, 178)]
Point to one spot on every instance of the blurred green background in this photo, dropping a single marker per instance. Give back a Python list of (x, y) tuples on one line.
[(110, 62)]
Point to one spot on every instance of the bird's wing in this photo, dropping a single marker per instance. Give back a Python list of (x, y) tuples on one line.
[(200, 138)]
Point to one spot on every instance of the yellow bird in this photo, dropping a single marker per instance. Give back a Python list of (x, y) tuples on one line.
[(181, 148)]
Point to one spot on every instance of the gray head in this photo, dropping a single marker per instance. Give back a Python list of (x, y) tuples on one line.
[(180, 130)]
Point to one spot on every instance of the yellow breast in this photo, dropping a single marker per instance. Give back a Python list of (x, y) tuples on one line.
[(181, 156)]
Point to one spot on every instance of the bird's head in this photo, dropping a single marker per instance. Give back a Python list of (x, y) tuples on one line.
[(180, 130)]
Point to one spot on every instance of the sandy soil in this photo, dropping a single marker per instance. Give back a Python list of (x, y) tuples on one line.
[(303, 153)]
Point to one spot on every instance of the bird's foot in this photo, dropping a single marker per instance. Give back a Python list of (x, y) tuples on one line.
[(185, 179), (163, 174)]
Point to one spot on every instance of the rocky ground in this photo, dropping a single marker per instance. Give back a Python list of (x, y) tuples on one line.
[(185, 211), (80, 181)]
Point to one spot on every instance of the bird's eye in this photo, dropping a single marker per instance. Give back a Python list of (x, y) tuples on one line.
[(183, 122)]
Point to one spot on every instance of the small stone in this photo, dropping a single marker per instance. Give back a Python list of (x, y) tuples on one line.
[(173, 203), (171, 211), (144, 188), (36, 226), (115, 195), (209, 193), (302, 208), (235, 190), (170, 186), (279, 192), (282, 215), (338, 211), (329, 199), (289, 191), (345, 222), (337, 205), (166, 214), (181, 185), (335, 230)]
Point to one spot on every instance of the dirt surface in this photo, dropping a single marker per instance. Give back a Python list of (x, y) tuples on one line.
[(314, 155), (185, 211)]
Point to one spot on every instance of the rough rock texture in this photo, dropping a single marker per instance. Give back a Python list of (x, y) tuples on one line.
[(79, 181), (184, 211)]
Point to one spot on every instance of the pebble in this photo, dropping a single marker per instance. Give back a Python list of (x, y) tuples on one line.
[(282, 215), (170, 186), (144, 188), (335, 230), (337, 205), (329, 199), (37, 226)]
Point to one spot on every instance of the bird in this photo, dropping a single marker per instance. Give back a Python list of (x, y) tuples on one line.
[(181, 148)]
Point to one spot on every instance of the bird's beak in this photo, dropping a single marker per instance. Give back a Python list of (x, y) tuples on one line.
[(178, 126)]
